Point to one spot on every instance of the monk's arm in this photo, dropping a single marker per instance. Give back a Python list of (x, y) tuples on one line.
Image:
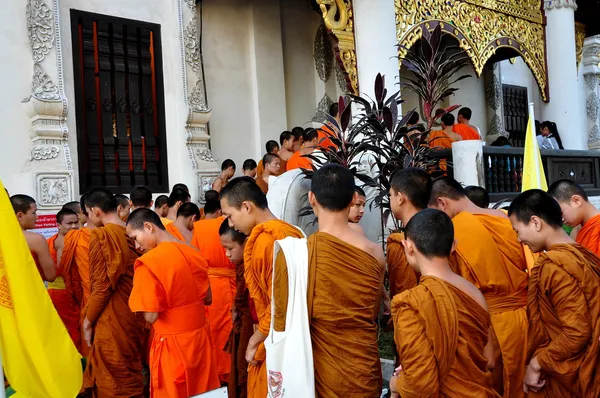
[(264, 254), (488, 350), (454, 136), (40, 248), (280, 292), (99, 282), (572, 311), (217, 185), (419, 376), (208, 298)]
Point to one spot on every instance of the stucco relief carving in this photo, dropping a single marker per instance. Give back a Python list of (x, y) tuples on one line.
[(192, 48), (205, 182), (53, 189), (39, 28), (341, 79), (550, 4), (205, 155), (495, 127), (191, 4), (44, 152), (591, 81), (594, 134), (196, 99), (592, 106), (323, 107), (323, 53), (42, 86)]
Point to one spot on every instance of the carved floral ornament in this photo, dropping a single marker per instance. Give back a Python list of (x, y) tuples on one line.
[(42, 87), (39, 28), (53, 189), (44, 152), (481, 27)]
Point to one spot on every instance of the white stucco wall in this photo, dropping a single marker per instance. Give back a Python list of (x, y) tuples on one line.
[(471, 94), (519, 74)]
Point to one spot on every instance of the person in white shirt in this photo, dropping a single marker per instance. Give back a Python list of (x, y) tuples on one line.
[(549, 138)]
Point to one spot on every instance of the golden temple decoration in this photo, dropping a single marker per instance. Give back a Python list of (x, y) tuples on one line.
[(337, 15), (579, 40), (481, 27)]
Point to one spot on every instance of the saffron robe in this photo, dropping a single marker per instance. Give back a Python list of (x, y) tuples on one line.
[(114, 366), (325, 133), (165, 221), (221, 274), (344, 293), (494, 262), (563, 305), (171, 279), (440, 334), (465, 131), (64, 300), (402, 275), (258, 265), (173, 230), (438, 139), (264, 186), (260, 168), (297, 161), (589, 235)]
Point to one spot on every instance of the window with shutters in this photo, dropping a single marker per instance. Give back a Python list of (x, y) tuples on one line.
[(516, 113), (119, 103)]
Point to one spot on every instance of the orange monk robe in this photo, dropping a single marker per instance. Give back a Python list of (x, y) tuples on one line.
[(261, 168), (438, 139), (221, 274), (173, 230), (564, 321), (258, 264), (489, 255), (202, 215), (465, 131), (114, 365), (342, 323), (264, 187), (589, 235), (165, 221), (171, 279), (64, 300), (324, 134), (402, 275), (440, 333), (297, 161)]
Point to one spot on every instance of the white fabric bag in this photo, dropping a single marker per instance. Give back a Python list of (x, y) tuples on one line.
[(290, 367)]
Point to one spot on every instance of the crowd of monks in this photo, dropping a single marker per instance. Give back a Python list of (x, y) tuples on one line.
[(167, 299)]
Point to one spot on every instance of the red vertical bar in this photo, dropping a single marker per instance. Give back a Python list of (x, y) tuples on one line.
[(154, 110), (83, 104), (98, 100)]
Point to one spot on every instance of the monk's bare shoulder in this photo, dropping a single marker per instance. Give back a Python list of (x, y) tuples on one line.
[(363, 243), (36, 242), (493, 212), (469, 289), (356, 228)]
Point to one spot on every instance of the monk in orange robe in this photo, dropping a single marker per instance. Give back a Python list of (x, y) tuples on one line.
[(441, 326), (578, 211), (287, 139), (298, 160), (466, 130), (563, 303), (221, 274), (489, 255), (245, 206), (26, 211), (161, 206), (342, 324), (114, 334), (187, 214), (272, 166), (64, 300), (272, 147), (171, 289)]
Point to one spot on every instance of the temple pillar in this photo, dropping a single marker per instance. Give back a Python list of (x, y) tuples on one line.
[(495, 103), (591, 75), (563, 108)]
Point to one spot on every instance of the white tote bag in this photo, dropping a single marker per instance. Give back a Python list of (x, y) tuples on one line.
[(290, 368)]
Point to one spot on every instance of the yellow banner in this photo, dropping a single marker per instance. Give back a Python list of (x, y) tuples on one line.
[(533, 168)]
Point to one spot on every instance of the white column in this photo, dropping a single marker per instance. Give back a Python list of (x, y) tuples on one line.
[(591, 75), (562, 73), (467, 161), (376, 52)]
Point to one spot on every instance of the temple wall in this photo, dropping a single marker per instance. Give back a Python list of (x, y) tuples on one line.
[(519, 74), (471, 94)]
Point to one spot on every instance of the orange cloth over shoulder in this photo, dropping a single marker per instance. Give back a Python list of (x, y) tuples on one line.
[(465, 131), (297, 161), (342, 324), (438, 139), (115, 362), (221, 274), (324, 133), (402, 275), (589, 235), (258, 264), (173, 230), (171, 279), (165, 221), (440, 333), (489, 255), (261, 168), (264, 187), (564, 321)]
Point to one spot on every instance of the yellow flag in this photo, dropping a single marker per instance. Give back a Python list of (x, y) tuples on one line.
[(39, 357), (533, 169)]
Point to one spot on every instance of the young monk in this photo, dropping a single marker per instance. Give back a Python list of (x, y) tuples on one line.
[(563, 303), (182, 227), (221, 274), (443, 139), (140, 197), (181, 185), (114, 334), (26, 211), (310, 144), (227, 172), (271, 147), (272, 164), (123, 206), (64, 299), (249, 168), (342, 325), (245, 206), (441, 326), (479, 196), (176, 199), (243, 321), (489, 255), (286, 139), (171, 289), (464, 128), (576, 211), (357, 210), (161, 206)]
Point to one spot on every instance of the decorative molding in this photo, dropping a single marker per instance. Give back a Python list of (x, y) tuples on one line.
[(196, 99), (191, 4), (337, 15), (551, 4), (579, 41), (205, 155), (592, 106), (480, 31), (341, 79), (495, 126), (42, 87), (39, 28), (53, 190), (44, 152), (192, 47), (205, 181), (594, 134), (591, 80), (323, 54), (493, 93), (322, 107), (528, 10)]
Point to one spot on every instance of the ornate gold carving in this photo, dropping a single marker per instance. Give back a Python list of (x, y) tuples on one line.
[(579, 39), (337, 15), (480, 29)]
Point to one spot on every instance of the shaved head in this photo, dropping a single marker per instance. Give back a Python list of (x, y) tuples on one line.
[(243, 189), (142, 215), (446, 187), (564, 190), (21, 203), (415, 184)]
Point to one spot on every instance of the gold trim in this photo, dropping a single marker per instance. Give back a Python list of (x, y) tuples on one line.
[(579, 40), (342, 29), (529, 10), (480, 31)]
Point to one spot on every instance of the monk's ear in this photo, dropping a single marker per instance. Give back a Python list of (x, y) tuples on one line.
[(454, 244), (576, 200), (537, 223), (311, 199)]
